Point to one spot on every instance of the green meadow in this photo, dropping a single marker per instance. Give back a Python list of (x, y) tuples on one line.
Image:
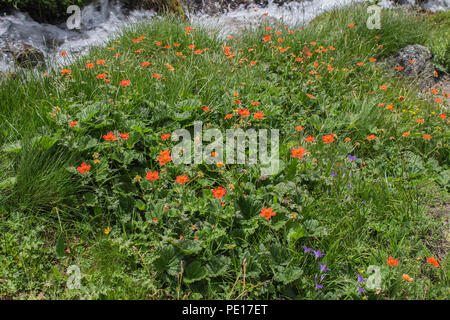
[(358, 210)]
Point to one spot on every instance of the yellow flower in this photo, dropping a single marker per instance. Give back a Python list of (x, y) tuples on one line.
[(107, 230)]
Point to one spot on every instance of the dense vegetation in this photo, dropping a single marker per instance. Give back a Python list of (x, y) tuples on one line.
[(55, 11), (84, 179)]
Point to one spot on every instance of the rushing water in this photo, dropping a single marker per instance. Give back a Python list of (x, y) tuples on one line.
[(101, 21)]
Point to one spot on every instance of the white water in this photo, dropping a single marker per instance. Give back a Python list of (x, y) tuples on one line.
[(102, 20)]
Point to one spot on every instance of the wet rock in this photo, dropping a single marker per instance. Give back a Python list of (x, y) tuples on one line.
[(24, 54)]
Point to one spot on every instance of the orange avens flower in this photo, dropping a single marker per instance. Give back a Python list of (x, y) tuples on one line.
[(84, 168), (310, 139), (110, 136), (267, 213), (165, 136), (164, 157), (328, 138), (406, 134), (426, 136), (125, 83), (65, 71), (73, 123), (90, 65), (102, 76), (219, 192), (407, 278), (100, 61), (298, 153), (392, 262), (145, 63), (258, 115), (244, 112), (152, 176), (371, 137), (433, 261), (228, 116), (124, 136), (182, 179), (443, 116)]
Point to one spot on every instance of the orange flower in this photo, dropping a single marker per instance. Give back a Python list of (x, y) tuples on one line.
[(406, 134), (443, 116), (102, 76), (347, 139), (219, 192), (310, 139), (164, 157), (124, 136), (258, 115), (299, 128), (152, 176), (157, 76), (165, 136), (392, 262), (328, 138), (433, 261), (205, 108), (84, 168), (267, 213), (372, 59), (73, 123), (125, 83), (63, 53), (228, 116), (220, 164), (145, 64), (407, 278), (110, 137), (66, 71), (383, 87), (419, 121), (351, 25), (90, 65), (267, 38), (399, 68), (426, 136), (100, 61), (298, 153), (244, 112), (371, 137), (182, 179)]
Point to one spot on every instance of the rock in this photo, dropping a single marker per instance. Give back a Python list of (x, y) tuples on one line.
[(24, 54), (416, 61)]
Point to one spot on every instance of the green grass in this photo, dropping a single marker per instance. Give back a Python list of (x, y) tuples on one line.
[(373, 208)]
